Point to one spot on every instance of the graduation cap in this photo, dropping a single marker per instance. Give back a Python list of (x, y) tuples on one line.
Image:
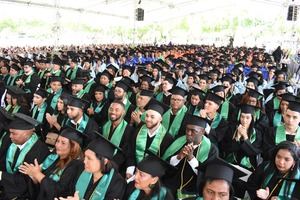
[(204, 77), (41, 92), (28, 63), (214, 97), (22, 122), (280, 85), (253, 80), (146, 78), (122, 84), (5, 117), (288, 97), (107, 74), (254, 93), (72, 134), (198, 92), (195, 120), (157, 106), (129, 68), (100, 88), (103, 147), (294, 106), (220, 169), (112, 67), (218, 88), (228, 78), (15, 67), (78, 81), (154, 165), (178, 91), (56, 79), (245, 108), (147, 93), (170, 79), (78, 103), (15, 91), (279, 72), (57, 61)]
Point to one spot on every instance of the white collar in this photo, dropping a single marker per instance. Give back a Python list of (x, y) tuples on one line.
[(154, 133), (22, 145), (75, 123)]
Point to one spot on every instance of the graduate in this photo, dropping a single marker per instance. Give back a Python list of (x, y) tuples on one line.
[(187, 153), (166, 85), (16, 102), (99, 180), (217, 182), (269, 179), (242, 143), (174, 118), (195, 102), (147, 183), (118, 132), (25, 146), (13, 75), (80, 121), (59, 172), (151, 135), (56, 83)]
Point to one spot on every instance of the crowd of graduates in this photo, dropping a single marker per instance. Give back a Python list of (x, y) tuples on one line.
[(147, 122)]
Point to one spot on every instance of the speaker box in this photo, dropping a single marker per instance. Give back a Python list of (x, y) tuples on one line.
[(139, 12)]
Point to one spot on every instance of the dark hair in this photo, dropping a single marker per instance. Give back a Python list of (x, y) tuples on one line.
[(155, 190), (209, 180), (105, 168), (119, 102)]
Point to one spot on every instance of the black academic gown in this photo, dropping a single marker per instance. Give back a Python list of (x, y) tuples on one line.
[(30, 87), (217, 134), (6, 141), (189, 176), (258, 177), (166, 142), (142, 196), (242, 149), (102, 116), (49, 189), (115, 190), (17, 184)]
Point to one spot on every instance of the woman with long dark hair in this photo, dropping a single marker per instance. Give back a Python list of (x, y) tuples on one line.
[(16, 102), (272, 179), (58, 173)]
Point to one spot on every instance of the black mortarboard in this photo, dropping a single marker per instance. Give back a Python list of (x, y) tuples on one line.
[(78, 81), (203, 77), (245, 108), (15, 91), (227, 78), (147, 93), (28, 63), (122, 84), (254, 80), (100, 88), (107, 74), (78, 103), (195, 120), (170, 79), (157, 106), (146, 78), (5, 117), (103, 147), (154, 165), (220, 169), (129, 68), (112, 67), (56, 79), (41, 92), (72, 134), (280, 85), (294, 106), (15, 67), (278, 72), (218, 88), (22, 122), (57, 61), (214, 97), (254, 93), (178, 91), (288, 97), (197, 91)]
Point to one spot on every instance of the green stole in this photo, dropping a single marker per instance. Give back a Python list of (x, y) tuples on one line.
[(101, 188), (52, 158), (54, 100), (15, 110), (98, 107), (57, 73), (88, 86), (276, 103), (199, 198), (72, 73), (11, 80), (41, 73), (277, 119), (282, 193), (141, 141), (159, 96), (127, 105), (117, 134), (281, 136), (81, 127), (80, 94), (202, 152), (27, 81), (225, 108), (11, 154), (216, 121), (143, 115), (1, 139), (174, 127), (162, 194), (245, 161), (40, 117)]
